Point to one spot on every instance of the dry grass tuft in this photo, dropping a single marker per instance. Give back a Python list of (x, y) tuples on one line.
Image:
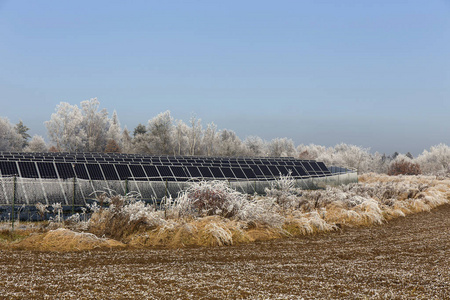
[(63, 240), (205, 232)]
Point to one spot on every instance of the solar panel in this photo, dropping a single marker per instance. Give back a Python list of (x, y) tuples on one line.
[(238, 173), (137, 171), (256, 170), (47, 170), (65, 170), (123, 171), (216, 172), (274, 170), (152, 172), (249, 173), (180, 173), (28, 169), (315, 167), (8, 168), (227, 172), (194, 172), (300, 171), (323, 167), (165, 173), (283, 170), (109, 171), (206, 173), (81, 172), (265, 170), (95, 173)]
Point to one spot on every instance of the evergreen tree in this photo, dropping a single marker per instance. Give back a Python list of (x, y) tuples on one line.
[(140, 129), (21, 129)]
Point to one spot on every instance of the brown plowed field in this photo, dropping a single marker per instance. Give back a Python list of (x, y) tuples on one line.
[(408, 258)]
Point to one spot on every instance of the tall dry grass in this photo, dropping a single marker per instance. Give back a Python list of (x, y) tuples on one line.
[(211, 214)]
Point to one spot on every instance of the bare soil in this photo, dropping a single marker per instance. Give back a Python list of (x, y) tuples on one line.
[(408, 258)]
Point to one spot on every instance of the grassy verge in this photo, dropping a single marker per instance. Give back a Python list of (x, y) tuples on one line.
[(212, 214)]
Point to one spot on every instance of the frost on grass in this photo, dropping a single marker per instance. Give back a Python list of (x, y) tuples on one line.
[(213, 214)]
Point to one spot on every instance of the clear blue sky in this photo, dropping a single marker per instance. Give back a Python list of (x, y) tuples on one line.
[(370, 73)]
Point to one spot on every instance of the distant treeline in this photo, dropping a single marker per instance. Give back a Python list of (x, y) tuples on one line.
[(87, 128)]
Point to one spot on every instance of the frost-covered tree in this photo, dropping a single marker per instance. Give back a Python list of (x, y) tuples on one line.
[(180, 138), (281, 147), (255, 146), (159, 134), (209, 139), (312, 151), (379, 163), (65, 128), (351, 156), (436, 160), (96, 125), (36, 144), (127, 141), (114, 131), (10, 140), (229, 143), (22, 130), (344, 155), (194, 134), (141, 144)]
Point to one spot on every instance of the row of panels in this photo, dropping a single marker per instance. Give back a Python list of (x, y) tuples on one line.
[(99, 171), (115, 157), (145, 158), (161, 162), (124, 155)]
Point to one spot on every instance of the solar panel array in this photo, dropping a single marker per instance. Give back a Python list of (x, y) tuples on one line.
[(119, 166)]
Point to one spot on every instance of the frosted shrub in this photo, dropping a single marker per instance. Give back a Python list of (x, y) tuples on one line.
[(75, 222), (124, 216), (284, 191), (216, 198), (262, 210), (42, 209), (436, 161), (207, 198), (403, 165), (57, 210)]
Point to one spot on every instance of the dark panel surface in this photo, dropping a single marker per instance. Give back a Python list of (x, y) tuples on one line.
[(65, 170), (95, 172), (152, 172), (137, 171), (109, 171), (249, 173), (206, 173), (238, 173), (81, 172), (28, 169), (8, 168), (194, 172), (47, 170), (216, 172), (123, 171)]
